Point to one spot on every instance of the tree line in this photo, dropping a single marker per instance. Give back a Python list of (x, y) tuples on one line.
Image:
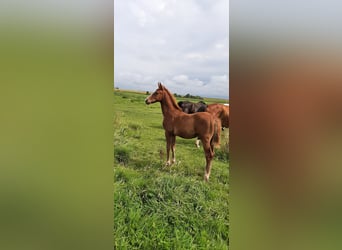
[(183, 96)]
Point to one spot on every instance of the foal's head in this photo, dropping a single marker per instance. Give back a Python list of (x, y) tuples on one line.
[(156, 96)]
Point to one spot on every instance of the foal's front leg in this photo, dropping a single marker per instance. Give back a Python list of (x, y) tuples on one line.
[(197, 143), (168, 145), (209, 154), (173, 148)]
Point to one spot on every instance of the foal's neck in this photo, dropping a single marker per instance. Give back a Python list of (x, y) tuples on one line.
[(168, 106)]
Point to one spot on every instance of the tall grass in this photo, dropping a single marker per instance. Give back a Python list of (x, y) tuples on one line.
[(159, 207)]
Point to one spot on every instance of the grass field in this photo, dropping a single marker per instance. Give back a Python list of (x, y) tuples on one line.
[(159, 207)]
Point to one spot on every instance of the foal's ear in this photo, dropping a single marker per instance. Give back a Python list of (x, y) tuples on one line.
[(160, 85)]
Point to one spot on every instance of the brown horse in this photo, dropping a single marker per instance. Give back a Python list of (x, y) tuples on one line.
[(220, 111), (177, 123)]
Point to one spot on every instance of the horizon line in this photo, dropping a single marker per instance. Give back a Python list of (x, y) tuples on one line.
[(142, 91)]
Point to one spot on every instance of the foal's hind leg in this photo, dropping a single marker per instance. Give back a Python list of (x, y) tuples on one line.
[(209, 154)]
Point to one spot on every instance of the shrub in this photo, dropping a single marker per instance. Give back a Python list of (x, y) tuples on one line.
[(222, 154), (121, 155), (134, 126)]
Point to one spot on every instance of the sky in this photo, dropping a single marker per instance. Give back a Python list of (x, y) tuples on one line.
[(183, 44)]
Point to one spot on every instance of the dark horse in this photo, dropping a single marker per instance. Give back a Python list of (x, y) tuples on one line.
[(177, 123), (190, 107)]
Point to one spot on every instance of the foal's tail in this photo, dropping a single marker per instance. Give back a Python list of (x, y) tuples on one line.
[(215, 140)]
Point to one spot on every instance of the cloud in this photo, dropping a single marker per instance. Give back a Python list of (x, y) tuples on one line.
[(140, 15), (183, 44)]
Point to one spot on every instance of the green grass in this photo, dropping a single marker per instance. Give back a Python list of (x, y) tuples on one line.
[(159, 207)]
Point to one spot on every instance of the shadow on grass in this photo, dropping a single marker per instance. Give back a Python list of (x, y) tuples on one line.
[(157, 126)]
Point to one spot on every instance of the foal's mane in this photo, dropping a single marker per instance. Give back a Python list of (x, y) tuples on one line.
[(173, 99)]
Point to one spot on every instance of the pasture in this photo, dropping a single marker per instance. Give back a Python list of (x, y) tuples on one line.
[(159, 207)]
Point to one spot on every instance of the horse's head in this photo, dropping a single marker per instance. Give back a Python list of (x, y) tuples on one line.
[(157, 95)]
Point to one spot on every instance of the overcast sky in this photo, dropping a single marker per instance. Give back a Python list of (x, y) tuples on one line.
[(183, 44)]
